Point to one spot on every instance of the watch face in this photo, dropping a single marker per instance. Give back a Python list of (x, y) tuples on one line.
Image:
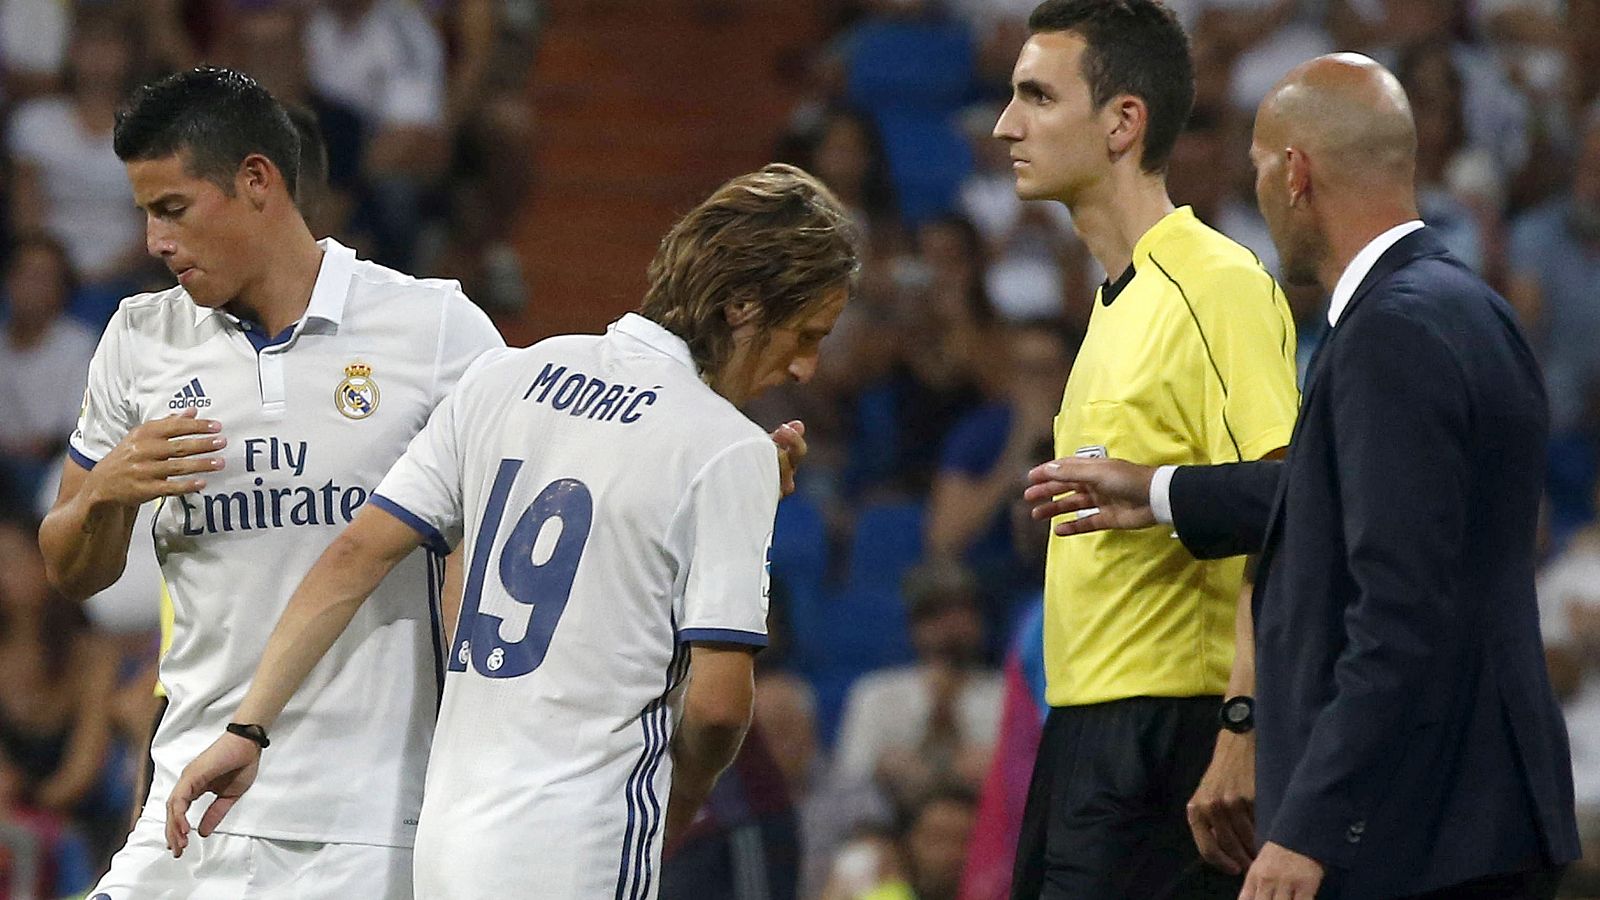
[(1238, 715)]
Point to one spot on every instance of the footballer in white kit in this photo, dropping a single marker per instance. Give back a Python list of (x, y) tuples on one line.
[(589, 572), (311, 418), (616, 509)]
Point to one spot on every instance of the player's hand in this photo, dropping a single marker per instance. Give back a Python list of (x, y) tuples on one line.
[(160, 458), (227, 768), (1282, 874), (791, 440), (1222, 811), (1119, 490)]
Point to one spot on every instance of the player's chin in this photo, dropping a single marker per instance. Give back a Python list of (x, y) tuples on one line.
[(1029, 189), (205, 298)]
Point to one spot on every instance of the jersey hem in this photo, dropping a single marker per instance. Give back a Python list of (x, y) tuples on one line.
[(1095, 699), (309, 837)]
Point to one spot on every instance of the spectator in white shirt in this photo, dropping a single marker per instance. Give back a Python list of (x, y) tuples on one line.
[(385, 59), (69, 183), (913, 726)]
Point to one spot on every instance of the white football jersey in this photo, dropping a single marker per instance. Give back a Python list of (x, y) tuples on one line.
[(614, 509), (314, 417)]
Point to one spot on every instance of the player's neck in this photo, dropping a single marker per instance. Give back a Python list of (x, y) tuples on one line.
[(280, 296), (1113, 215)]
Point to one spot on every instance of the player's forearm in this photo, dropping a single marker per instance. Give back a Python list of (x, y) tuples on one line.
[(85, 544), (700, 753), (318, 612)]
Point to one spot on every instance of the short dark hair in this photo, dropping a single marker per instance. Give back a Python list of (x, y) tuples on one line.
[(218, 115), (1136, 47)]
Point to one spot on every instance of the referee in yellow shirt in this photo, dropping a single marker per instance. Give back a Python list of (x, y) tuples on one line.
[(1188, 359)]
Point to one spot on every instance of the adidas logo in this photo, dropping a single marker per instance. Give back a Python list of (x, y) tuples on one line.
[(192, 395)]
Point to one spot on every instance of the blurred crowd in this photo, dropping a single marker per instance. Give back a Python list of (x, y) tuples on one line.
[(897, 707)]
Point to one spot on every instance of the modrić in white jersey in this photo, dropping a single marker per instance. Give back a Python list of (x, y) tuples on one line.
[(616, 509), (263, 398)]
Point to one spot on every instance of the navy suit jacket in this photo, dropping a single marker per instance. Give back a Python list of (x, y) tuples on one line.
[(1407, 734)]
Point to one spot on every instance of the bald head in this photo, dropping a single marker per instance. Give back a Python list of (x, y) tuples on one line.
[(1349, 115)]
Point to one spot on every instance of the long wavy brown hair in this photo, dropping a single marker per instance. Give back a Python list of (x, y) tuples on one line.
[(775, 238)]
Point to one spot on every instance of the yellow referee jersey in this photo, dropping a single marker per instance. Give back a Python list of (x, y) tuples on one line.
[(166, 631), (1191, 362)]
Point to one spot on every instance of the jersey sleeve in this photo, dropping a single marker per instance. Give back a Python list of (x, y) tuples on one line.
[(727, 517), (465, 333), (423, 488), (106, 415), (1249, 338)]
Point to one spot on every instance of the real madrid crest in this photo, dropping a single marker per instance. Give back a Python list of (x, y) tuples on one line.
[(356, 397)]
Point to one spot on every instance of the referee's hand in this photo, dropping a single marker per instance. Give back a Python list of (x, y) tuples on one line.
[(1222, 811), (1116, 492)]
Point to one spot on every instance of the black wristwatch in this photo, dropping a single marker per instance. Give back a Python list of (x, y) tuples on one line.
[(1238, 714), (253, 733)]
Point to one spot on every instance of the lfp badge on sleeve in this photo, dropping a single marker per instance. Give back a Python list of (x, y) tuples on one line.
[(357, 395)]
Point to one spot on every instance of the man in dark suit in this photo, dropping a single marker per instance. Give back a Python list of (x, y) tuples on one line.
[(1408, 741)]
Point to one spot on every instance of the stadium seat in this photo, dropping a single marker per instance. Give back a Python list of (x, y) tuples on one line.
[(862, 625), (913, 78), (888, 540)]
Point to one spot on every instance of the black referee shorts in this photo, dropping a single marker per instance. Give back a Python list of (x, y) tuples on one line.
[(1105, 816)]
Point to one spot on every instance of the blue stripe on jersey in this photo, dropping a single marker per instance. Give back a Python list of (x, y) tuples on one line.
[(628, 836), (675, 672), (435, 616), (430, 534), (79, 458), (651, 821), (634, 873), (723, 635)]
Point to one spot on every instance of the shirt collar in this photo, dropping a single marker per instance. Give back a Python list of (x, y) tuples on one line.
[(328, 293), (1357, 271), (656, 337)]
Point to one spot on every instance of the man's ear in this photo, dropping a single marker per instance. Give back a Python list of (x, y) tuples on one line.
[(255, 179), (1297, 175), (1129, 118)]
